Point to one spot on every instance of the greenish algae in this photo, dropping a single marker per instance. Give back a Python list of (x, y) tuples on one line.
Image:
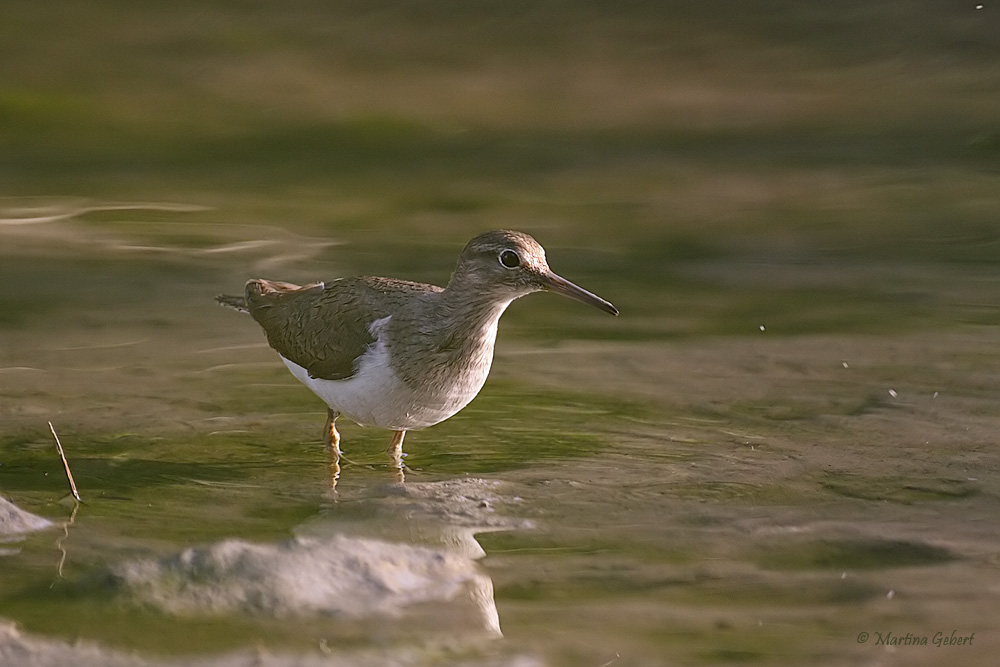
[(850, 554), (535, 543), (899, 489), (876, 213), (798, 408)]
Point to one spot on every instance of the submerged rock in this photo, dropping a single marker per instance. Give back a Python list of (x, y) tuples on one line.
[(26, 650), (341, 576), (15, 520)]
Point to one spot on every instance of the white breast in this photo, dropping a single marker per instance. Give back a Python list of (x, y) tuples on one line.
[(376, 396)]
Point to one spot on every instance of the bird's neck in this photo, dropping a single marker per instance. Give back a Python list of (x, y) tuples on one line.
[(468, 316)]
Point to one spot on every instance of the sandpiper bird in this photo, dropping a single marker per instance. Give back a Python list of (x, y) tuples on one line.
[(397, 354)]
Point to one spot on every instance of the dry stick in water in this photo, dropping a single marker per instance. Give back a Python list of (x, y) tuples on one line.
[(62, 455)]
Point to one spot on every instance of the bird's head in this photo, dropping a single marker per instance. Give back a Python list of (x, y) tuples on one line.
[(505, 265)]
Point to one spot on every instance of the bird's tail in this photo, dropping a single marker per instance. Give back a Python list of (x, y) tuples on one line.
[(237, 303)]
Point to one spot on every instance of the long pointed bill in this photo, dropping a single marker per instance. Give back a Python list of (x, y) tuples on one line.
[(558, 284)]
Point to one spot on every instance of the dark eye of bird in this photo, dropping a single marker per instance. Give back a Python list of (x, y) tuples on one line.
[(510, 259)]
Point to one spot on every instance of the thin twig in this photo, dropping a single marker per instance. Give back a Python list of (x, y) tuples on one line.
[(62, 455)]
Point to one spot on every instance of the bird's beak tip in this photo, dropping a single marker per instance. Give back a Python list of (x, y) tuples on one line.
[(566, 288)]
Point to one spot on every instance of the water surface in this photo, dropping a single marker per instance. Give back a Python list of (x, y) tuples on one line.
[(783, 451)]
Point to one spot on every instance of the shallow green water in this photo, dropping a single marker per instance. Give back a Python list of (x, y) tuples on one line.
[(665, 493), (786, 440)]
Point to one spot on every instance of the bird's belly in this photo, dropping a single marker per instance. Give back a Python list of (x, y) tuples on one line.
[(376, 396)]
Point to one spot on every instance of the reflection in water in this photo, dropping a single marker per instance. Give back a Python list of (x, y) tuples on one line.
[(58, 209), (334, 471), (326, 571), (447, 515), (60, 543), (396, 467), (341, 576), (396, 454), (57, 220)]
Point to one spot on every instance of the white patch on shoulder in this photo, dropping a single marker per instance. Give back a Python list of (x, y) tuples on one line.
[(374, 396)]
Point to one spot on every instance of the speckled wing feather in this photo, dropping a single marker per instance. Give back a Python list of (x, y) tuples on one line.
[(324, 327)]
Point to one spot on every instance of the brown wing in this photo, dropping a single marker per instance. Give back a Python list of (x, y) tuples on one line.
[(323, 328)]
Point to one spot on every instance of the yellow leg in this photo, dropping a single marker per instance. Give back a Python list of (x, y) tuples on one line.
[(332, 440), (396, 454)]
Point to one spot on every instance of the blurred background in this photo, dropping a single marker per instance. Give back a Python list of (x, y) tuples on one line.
[(648, 137), (822, 176), (653, 130)]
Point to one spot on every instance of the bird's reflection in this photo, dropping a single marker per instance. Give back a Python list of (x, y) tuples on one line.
[(348, 562), (446, 516), (334, 471), (397, 468)]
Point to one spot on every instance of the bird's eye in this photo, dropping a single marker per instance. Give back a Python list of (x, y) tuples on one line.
[(510, 259)]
